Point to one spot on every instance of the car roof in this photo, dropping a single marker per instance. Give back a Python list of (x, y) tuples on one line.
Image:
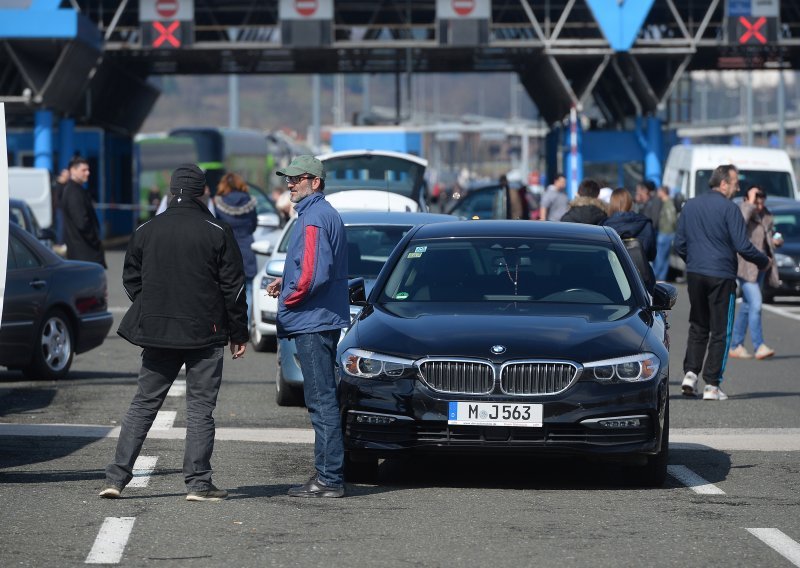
[(392, 218), (505, 228)]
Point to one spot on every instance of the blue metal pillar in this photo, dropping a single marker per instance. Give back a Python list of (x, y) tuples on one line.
[(66, 142), (43, 140), (573, 156), (653, 151), (551, 142)]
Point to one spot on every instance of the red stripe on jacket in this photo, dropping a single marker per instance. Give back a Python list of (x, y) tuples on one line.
[(306, 270)]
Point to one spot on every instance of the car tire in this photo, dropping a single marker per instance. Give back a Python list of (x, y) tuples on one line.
[(654, 472), (360, 468), (53, 348), (285, 394), (259, 341)]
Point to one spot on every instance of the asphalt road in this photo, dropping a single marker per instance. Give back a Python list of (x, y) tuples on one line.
[(429, 512)]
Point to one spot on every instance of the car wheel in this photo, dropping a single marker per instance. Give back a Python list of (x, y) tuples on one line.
[(52, 354), (360, 468), (260, 341), (285, 394), (654, 472)]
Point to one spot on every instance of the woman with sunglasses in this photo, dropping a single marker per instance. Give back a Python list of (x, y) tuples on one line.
[(760, 231)]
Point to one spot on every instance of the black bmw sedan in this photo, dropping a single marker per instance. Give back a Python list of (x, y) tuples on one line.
[(508, 336)]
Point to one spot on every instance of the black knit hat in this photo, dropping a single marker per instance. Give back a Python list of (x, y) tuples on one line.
[(188, 179)]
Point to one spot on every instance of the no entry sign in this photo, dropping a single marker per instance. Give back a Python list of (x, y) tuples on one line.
[(167, 9), (305, 10), (463, 9)]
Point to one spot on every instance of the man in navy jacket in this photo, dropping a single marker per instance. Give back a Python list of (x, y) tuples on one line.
[(312, 310), (710, 233)]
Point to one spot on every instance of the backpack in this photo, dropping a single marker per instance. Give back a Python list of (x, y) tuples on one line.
[(635, 251)]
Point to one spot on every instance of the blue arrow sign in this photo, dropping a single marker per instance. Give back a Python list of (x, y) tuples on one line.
[(620, 20)]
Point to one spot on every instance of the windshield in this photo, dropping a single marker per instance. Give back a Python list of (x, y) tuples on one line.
[(369, 171), (508, 270), (368, 246), (775, 184)]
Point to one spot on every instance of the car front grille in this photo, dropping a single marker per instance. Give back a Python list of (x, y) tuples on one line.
[(536, 377), (463, 377)]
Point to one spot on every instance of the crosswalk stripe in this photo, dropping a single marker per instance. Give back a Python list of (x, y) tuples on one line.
[(142, 470), (164, 420), (779, 542), (693, 481), (178, 388), (111, 540)]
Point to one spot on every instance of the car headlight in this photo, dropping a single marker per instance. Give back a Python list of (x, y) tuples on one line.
[(784, 261), (635, 368), (370, 365)]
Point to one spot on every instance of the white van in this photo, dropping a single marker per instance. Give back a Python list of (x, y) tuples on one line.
[(689, 168), (32, 185)]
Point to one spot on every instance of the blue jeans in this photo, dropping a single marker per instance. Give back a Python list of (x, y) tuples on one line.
[(159, 369), (317, 355), (663, 248), (248, 292), (749, 313)]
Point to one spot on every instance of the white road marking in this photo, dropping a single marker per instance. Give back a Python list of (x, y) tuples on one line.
[(693, 481), (779, 542), (164, 420), (117, 309), (111, 540), (693, 439), (142, 470), (785, 312), (178, 388)]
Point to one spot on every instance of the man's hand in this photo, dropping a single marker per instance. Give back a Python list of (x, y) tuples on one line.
[(274, 287), (751, 194), (238, 349)]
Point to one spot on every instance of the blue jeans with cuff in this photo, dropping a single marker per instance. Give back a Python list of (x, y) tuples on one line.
[(317, 355), (749, 313)]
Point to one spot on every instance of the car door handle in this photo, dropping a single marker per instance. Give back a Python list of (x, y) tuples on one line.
[(37, 283)]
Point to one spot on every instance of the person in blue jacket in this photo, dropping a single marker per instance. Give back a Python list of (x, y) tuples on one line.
[(313, 308), (631, 225), (711, 230), (234, 205)]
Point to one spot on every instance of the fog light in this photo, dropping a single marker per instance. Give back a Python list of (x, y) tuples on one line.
[(374, 419), (625, 423)]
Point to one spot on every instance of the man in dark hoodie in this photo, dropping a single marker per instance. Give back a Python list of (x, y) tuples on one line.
[(587, 208), (183, 271)]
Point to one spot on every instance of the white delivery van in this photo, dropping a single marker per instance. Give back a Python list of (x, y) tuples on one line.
[(32, 185), (689, 168)]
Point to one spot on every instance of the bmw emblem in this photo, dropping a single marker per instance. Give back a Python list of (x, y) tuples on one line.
[(498, 349)]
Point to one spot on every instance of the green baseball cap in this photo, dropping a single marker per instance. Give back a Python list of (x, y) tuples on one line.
[(304, 165)]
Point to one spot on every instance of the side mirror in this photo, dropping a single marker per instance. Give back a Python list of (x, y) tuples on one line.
[(358, 294), (261, 247), (664, 297)]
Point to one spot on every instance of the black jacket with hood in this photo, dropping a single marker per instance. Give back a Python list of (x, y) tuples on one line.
[(183, 271)]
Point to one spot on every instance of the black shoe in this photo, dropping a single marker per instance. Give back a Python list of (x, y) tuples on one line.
[(315, 488), (110, 491), (210, 494)]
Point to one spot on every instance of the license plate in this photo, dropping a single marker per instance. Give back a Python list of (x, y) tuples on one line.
[(495, 414)]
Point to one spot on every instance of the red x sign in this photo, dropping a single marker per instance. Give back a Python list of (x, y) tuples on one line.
[(751, 30), (166, 34)]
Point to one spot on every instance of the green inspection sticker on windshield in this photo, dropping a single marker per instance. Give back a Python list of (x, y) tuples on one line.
[(414, 255), (401, 295)]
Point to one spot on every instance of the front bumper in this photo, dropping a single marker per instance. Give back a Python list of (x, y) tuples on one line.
[(384, 418)]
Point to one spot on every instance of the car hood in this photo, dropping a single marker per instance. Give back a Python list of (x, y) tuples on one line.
[(791, 248), (555, 335)]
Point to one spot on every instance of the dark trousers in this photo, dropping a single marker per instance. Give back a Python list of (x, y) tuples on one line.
[(159, 369), (710, 323), (317, 355)]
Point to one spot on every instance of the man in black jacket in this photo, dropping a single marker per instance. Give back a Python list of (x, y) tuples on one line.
[(184, 273), (586, 208), (81, 228)]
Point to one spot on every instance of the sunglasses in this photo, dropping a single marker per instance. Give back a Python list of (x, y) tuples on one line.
[(294, 180)]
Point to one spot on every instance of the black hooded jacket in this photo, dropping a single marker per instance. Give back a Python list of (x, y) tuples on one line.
[(183, 271), (587, 210)]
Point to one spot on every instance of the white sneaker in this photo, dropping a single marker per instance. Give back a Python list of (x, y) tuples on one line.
[(689, 384), (714, 393), (764, 352)]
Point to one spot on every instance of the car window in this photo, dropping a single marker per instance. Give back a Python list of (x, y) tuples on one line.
[(508, 269), (776, 184), (389, 173), (368, 247), (481, 205), (283, 246), (19, 255), (17, 215), (263, 203), (786, 224)]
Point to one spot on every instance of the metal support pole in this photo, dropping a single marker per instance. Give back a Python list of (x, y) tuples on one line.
[(233, 101), (781, 108), (43, 140), (338, 100), (66, 141), (315, 113), (749, 109), (366, 105), (525, 150)]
